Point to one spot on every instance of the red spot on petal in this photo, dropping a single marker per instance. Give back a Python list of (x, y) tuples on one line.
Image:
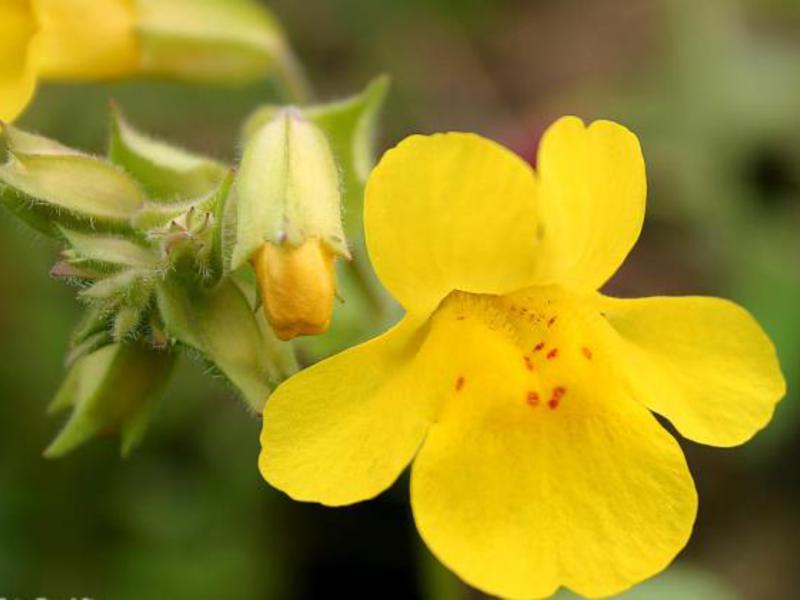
[(538, 347), (556, 396), (551, 321), (587, 353), (532, 399), (459, 383), (552, 354), (460, 318), (528, 363)]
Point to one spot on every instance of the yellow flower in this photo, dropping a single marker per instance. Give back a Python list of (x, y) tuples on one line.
[(522, 394), (88, 40)]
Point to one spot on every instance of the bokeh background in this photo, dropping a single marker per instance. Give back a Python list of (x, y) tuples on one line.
[(712, 89)]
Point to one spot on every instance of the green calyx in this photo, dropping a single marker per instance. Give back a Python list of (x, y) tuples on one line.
[(288, 188), (113, 389), (225, 41), (350, 127)]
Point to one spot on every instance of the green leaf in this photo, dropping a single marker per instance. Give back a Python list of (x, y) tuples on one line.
[(221, 325), (166, 172), (113, 388)]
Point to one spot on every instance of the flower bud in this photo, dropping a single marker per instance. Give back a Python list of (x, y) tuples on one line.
[(297, 287), (47, 183), (112, 389), (288, 222), (350, 127), (210, 40)]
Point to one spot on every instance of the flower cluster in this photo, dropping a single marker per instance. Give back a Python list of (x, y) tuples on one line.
[(157, 239)]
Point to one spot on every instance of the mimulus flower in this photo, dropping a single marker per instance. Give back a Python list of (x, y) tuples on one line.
[(523, 396), (90, 40)]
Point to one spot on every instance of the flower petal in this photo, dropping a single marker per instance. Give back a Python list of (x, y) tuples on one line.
[(592, 190), (85, 39), (541, 471), (519, 500), (343, 430), (17, 72), (450, 211), (703, 363)]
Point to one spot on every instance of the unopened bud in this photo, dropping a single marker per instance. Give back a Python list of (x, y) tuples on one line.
[(288, 222), (111, 389), (297, 287), (49, 183)]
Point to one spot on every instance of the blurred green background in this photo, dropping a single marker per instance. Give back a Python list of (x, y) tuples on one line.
[(711, 88)]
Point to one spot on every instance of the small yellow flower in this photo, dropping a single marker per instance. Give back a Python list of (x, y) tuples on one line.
[(522, 394), (89, 40)]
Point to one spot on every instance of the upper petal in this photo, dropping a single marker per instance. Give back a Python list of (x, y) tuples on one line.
[(17, 71), (343, 430), (703, 363), (592, 190), (577, 486), (451, 211)]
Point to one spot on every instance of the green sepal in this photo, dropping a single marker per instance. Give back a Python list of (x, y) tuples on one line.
[(223, 232), (287, 188), (21, 142), (66, 186), (221, 325), (350, 126), (127, 321), (154, 215), (87, 345), (131, 286), (95, 319), (167, 173), (113, 388), (108, 250), (36, 216)]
